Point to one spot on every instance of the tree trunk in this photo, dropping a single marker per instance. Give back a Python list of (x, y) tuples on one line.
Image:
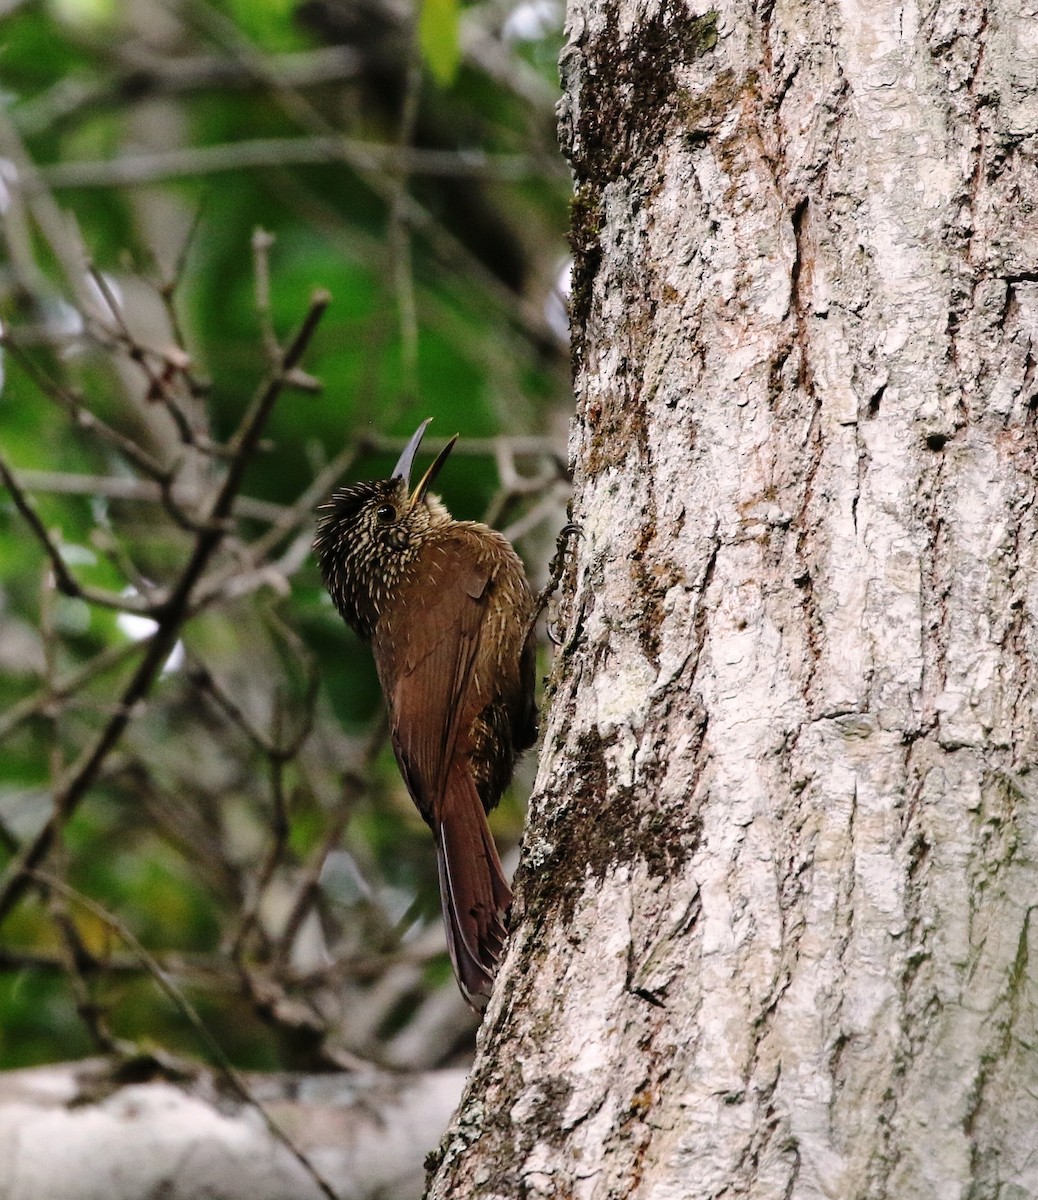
[(773, 932)]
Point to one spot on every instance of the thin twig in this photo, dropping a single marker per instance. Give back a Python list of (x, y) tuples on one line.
[(131, 76), (86, 420), (246, 436), (65, 581), (289, 747), (399, 237), (158, 384), (275, 853), (51, 961), (354, 785), (56, 226), (299, 513), (118, 487), (170, 286), (521, 446), (546, 508), (278, 751), (82, 416), (261, 246), (201, 677), (60, 689), (140, 170), (170, 618), (78, 963), (243, 580), (449, 247)]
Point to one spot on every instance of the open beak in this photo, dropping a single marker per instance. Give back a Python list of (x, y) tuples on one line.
[(402, 470)]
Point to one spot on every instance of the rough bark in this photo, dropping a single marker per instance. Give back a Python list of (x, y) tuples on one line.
[(72, 1133), (774, 931)]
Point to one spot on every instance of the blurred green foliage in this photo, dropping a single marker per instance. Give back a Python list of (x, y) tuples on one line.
[(441, 271)]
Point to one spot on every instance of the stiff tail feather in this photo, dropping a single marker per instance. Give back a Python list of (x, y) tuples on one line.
[(473, 889)]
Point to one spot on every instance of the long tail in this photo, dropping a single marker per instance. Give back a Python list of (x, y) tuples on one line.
[(473, 889)]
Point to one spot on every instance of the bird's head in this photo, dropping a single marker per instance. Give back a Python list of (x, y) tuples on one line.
[(368, 533)]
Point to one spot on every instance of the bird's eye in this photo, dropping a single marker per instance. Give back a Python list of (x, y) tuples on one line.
[(385, 513)]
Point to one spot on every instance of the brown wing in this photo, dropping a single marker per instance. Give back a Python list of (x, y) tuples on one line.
[(425, 649)]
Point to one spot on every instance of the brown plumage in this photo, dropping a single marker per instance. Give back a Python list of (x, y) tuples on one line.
[(447, 609)]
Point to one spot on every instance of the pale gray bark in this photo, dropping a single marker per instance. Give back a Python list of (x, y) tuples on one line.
[(69, 1133), (774, 931)]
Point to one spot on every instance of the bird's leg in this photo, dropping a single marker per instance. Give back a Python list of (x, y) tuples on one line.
[(556, 570)]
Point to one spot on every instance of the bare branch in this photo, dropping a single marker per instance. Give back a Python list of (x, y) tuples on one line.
[(138, 77), (141, 170), (261, 245), (529, 446), (547, 508), (78, 963), (170, 618), (65, 581), (201, 677), (300, 513), (158, 384), (59, 690), (116, 487), (398, 232), (354, 786), (417, 217), (82, 416), (168, 287), (57, 227)]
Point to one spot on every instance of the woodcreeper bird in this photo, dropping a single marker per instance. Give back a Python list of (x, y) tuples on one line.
[(447, 609)]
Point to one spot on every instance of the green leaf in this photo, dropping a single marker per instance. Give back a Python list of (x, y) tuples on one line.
[(439, 39)]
